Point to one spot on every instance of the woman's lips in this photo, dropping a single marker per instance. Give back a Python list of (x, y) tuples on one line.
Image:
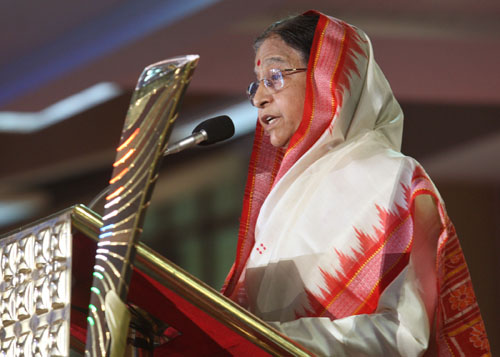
[(268, 120)]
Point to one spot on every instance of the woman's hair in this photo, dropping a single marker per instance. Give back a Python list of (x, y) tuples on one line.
[(296, 31)]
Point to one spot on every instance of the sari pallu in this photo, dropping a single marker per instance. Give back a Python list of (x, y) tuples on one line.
[(327, 231)]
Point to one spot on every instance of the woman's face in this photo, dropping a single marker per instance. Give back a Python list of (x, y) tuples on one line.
[(280, 111)]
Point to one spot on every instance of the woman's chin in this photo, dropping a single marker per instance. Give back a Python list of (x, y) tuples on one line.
[(278, 142)]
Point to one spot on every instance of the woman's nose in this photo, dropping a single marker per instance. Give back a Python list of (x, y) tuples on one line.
[(262, 96)]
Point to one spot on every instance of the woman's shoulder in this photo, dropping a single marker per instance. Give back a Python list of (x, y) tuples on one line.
[(369, 156)]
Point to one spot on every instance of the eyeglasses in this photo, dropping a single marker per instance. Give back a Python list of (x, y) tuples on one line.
[(274, 81)]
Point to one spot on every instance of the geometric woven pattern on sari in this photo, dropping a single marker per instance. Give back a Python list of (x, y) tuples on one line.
[(460, 328), (364, 274), (461, 331)]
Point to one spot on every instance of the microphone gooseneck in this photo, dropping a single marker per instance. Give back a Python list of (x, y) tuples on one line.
[(207, 132)]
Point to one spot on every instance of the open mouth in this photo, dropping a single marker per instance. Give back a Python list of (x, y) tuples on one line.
[(269, 119)]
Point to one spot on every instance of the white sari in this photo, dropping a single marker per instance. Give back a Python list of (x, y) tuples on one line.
[(344, 244)]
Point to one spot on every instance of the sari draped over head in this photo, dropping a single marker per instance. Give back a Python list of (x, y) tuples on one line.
[(328, 239)]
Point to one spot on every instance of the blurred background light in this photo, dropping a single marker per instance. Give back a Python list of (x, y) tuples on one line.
[(17, 122)]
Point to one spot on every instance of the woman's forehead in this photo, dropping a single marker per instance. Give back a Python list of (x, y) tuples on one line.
[(275, 52), (275, 47), (274, 60)]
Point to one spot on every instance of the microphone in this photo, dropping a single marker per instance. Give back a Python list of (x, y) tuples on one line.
[(207, 132)]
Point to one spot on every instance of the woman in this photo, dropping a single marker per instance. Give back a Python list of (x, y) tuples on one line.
[(335, 218)]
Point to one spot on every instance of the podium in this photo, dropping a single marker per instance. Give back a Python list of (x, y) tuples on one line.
[(46, 274), (76, 282)]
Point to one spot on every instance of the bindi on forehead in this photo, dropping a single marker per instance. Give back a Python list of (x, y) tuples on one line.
[(258, 63)]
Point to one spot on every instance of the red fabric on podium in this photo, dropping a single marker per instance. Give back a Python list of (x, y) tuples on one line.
[(201, 334)]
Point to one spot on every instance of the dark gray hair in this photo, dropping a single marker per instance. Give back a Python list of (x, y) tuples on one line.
[(296, 31)]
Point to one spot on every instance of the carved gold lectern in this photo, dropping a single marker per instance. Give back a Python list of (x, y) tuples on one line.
[(76, 282)]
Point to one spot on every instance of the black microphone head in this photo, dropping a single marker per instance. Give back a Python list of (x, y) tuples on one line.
[(218, 129)]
